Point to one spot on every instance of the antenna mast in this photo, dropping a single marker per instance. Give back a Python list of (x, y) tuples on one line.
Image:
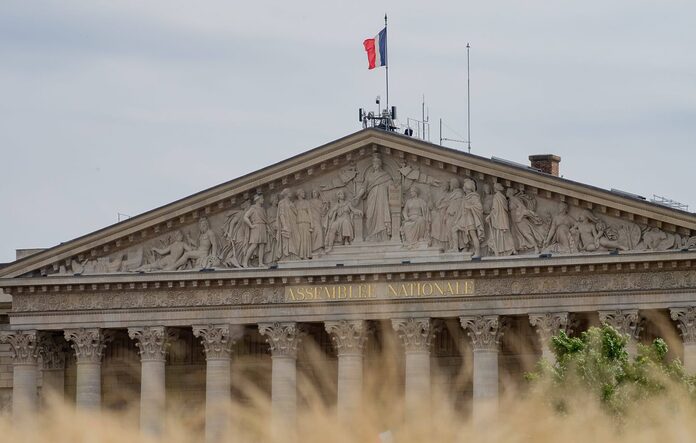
[(468, 100)]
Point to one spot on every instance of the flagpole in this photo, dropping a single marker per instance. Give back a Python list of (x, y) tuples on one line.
[(386, 66), (468, 100)]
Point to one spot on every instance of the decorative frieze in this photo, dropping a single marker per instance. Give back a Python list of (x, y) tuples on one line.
[(416, 334), (218, 340), (348, 336), (686, 318), (485, 331), (152, 341), (549, 324), (52, 351), (24, 346), (88, 343), (625, 321), (283, 338)]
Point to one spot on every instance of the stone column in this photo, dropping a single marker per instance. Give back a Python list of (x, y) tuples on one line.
[(547, 325), (349, 338), (52, 352), (283, 339), (153, 343), (89, 344), (217, 343), (485, 332), (25, 373), (687, 325), (416, 335), (626, 322)]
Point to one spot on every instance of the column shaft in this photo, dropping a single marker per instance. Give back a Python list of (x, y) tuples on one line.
[(350, 384), (24, 389), (88, 390), (690, 357), (152, 396), (284, 389), (485, 382), (417, 384), (217, 397)]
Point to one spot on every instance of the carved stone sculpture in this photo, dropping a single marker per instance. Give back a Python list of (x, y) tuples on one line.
[(52, 350), (485, 331), (348, 336), (24, 345), (152, 341), (447, 213), (626, 322), (287, 226), (319, 210), (375, 192), (500, 240), (304, 226), (549, 324), (205, 255), (411, 175), (255, 219), (283, 338), (416, 219), (559, 238), (169, 255), (217, 340), (340, 220), (687, 323), (471, 221), (271, 249), (416, 334), (526, 225), (88, 343)]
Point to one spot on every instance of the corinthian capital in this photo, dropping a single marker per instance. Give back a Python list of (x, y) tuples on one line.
[(625, 321), (52, 350), (485, 331), (218, 340), (283, 338), (88, 343), (23, 345), (687, 322), (415, 333), (152, 341), (349, 336), (549, 323)]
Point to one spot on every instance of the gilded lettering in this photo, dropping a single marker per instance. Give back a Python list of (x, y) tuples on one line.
[(392, 292)]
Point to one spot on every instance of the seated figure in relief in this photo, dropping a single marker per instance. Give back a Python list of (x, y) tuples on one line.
[(340, 222), (527, 226), (206, 254), (560, 238), (416, 218), (170, 255)]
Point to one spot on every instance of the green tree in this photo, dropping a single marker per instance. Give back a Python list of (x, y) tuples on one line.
[(597, 362)]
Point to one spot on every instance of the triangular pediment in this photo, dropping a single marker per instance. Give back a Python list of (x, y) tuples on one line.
[(420, 201)]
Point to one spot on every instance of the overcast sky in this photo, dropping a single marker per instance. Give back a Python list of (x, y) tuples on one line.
[(123, 106)]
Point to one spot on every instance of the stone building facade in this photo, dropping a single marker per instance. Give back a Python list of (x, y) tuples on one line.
[(470, 263)]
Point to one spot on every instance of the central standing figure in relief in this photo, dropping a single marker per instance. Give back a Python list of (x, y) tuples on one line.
[(375, 192)]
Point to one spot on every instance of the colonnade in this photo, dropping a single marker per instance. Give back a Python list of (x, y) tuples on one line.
[(38, 350)]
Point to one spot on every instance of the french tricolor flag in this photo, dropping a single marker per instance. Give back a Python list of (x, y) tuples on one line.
[(376, 49)]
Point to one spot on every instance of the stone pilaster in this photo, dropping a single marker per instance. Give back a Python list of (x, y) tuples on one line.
[(283, 339), (686, 322), (485, 332), (416, 334), (24, 345), (153, 343), (625, 321), (52, 353), (349, 337), (217, 341), (547, 325), (89, 345)]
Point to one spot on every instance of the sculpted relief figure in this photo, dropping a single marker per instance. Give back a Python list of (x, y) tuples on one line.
[(304, 226), (416, 218), (205, 255), (500, 240), (272, 229), (527, 226), (235, 233), (256, 221), (340, 222), (560, 238), (471, 221), (287, 238), (446, 216), (168, 255), (375, 192), (319, 210), (411, 175)]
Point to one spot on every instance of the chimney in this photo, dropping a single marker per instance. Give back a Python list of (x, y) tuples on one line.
[(547, 163)]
